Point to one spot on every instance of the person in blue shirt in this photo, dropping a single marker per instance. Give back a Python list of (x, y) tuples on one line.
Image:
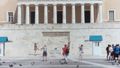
[(116, 52)]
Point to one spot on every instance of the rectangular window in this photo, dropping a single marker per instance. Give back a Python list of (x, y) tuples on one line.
[(10, 17), (111, 15)]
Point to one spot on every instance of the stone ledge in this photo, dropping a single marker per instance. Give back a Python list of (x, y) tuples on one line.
[(60, 26)]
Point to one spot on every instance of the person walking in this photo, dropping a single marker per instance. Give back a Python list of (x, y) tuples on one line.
[(116, 53), (65, 53), (81, 51)]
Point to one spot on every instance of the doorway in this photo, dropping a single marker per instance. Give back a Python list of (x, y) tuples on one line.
[(32, 17), (87, 16), (59, 17), (96, 49)]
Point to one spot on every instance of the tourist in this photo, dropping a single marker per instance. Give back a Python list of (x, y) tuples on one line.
[(44, 48), (116, 52), (65, 50), (107, 51), (35, 48), (110, 56), (81, 51)]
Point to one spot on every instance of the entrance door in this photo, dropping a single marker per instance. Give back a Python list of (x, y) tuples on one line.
[(32, 17), (96, 49), (87, 16), (59, 17)]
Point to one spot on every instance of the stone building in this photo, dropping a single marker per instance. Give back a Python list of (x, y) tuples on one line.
[(93, 23)]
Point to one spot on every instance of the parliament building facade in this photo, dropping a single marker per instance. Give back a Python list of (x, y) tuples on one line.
[(93, 23)]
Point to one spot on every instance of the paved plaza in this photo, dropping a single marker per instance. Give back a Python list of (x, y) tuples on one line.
[(55, 63)]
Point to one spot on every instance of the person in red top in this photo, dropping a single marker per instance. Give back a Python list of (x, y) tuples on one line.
[(65, 52)]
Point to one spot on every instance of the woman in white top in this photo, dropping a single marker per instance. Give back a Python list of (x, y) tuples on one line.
[(110, 52)]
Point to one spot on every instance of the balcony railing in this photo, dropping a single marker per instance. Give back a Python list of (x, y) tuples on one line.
[(54, 0)]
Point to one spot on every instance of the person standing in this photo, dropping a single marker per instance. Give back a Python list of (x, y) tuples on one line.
[(35, 48), (44, 48), (65, 52), (116, 53), (110, 56), (81, 51), (107, 51)]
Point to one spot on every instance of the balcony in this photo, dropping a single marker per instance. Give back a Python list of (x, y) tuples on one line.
[(59, 1)]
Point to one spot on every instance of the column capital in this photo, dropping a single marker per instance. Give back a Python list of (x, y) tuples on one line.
[(82, 3), (100, 4), (92, 3), (73, 4), (64, 4), (36, 4), (27, 4), (19, 4), (54, 4), (45, 4)]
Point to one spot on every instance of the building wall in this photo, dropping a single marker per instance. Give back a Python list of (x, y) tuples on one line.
[(111, 5), (22, 38), (5, 6)]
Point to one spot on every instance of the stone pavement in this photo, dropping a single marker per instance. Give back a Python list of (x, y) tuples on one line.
[(55, 63)]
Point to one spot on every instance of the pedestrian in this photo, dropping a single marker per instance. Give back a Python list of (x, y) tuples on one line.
[(110, 56), (81, 51), (65, 53), (117, 53), (44, 48), (107, 51), (35, 48)]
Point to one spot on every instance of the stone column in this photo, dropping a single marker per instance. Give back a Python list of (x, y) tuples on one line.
[(36, 14), (73, 14), (64, 14), (27, 14), (82, 13), (45, 14), (92, 13), (55, 14), (19, 16), (100, 13)]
